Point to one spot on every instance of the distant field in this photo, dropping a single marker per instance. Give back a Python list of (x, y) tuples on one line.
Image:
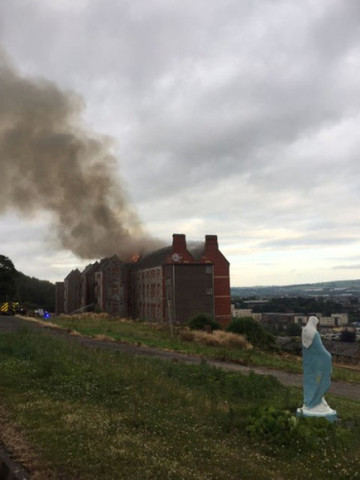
[(81, 413)]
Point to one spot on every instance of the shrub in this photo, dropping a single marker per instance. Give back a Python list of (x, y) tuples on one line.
[(280, 428), (202, 322), (254, 332)]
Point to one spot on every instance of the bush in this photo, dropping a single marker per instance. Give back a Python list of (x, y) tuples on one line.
[(275, 427), (254, 332), (279, 428), (202, 322)]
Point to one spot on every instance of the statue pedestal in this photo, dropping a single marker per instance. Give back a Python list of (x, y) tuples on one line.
[(321, 410)]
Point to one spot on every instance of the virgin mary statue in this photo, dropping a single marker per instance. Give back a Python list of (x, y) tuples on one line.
[(316, 373)]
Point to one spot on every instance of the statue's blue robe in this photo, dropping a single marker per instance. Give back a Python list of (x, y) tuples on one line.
[(316, 372)]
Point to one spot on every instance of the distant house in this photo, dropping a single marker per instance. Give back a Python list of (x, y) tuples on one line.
[(244, 312), (335, 320)]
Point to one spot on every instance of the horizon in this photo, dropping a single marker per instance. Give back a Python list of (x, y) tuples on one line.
[(298, 284)]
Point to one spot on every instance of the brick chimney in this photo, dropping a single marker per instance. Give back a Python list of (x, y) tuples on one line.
[(222, 300), (180, 253), (211, 243), (179, 242)]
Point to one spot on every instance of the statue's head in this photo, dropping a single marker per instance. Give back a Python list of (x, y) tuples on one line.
[(309, 331), (313, 321)]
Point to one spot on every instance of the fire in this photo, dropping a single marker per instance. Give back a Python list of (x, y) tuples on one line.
[(135, 258)]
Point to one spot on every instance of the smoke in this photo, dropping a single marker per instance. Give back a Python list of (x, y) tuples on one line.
[(50, 162)]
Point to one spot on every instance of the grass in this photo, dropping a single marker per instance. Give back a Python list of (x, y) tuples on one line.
[(158, 336), (95, 414)]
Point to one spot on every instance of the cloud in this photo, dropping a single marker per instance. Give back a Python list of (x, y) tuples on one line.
[(235, 118), (347, 267), (295, 243)]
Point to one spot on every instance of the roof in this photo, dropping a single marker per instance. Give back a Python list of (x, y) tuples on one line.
[(73, 273), (105, 261), (153, 259), (90, 268)]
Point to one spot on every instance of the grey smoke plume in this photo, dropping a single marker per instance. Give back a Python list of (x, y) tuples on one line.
[(50, 162)]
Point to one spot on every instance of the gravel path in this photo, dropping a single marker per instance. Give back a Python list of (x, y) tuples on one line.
[(341, 389)]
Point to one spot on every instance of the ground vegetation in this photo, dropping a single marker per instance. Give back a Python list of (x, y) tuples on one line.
[(96, 414)]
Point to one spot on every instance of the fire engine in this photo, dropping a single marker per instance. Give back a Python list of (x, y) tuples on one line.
[(7, 308), (10, 308)]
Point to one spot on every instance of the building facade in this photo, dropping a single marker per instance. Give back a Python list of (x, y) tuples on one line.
[(71, 293), (110, 288), (87, 285)]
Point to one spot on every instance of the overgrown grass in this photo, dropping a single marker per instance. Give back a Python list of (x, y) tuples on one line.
[(159, 336), (94, 414)]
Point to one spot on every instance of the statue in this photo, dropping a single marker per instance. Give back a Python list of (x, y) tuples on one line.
[(316, 373)]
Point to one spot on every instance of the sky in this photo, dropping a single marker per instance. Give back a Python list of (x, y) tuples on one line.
[(224, 117)]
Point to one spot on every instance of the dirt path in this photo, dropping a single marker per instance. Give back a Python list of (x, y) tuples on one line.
[(341, 389)]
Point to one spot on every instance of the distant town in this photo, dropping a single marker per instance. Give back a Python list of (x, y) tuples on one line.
[(342, 288), (284, 310)]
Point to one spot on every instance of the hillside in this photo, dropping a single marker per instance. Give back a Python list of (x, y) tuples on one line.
[(336, 288)]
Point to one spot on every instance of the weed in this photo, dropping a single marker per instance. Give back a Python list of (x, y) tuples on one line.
[(218, 338)]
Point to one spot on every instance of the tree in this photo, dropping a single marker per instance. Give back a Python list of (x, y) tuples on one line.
[(8, 275), (34, 293), (254, 332), (30, 292), (293, 330)]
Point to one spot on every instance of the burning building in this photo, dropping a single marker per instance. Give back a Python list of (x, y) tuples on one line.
[(72, 291), (111, 287), (170, 284)]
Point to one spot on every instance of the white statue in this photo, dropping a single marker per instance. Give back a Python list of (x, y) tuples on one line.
[(316, 373)]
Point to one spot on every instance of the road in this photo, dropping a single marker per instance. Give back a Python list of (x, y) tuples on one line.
[(14, 324)]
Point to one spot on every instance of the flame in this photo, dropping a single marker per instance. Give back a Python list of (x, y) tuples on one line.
[(135, 258)]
